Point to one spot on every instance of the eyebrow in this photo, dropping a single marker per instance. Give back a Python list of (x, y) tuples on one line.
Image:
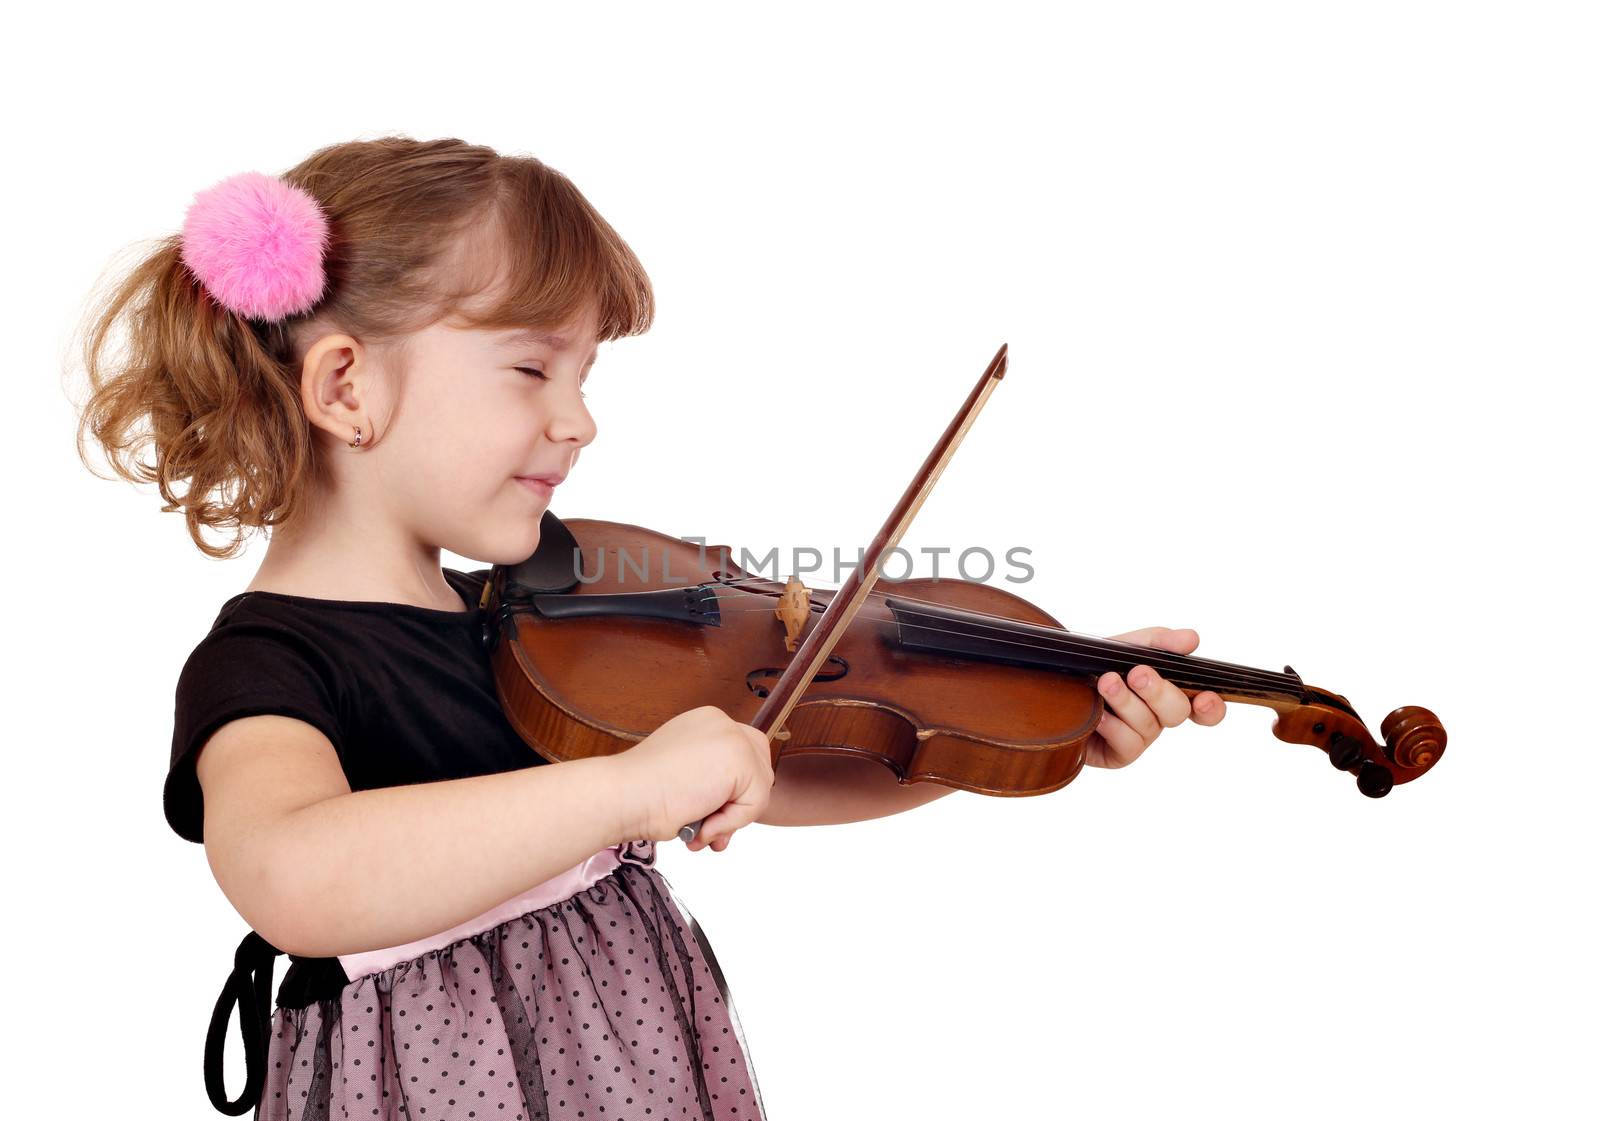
[(533, 335)]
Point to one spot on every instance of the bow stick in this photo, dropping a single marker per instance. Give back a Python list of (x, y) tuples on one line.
[(852, 593)]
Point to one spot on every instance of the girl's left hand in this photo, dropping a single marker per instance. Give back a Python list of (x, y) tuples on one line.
[(1137, 710)]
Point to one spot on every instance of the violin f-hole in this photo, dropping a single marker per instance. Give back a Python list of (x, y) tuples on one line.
[(758, 681)]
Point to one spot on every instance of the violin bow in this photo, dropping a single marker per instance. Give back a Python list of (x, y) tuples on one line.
[(846, 602)]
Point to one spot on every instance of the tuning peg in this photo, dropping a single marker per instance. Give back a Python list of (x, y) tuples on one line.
[(1343, 752), (1374, 781)]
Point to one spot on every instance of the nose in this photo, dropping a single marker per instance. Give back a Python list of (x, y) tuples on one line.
[(570, 419)]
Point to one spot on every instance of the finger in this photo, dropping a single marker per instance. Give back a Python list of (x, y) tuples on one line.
[(711, 828), (725, 822), (1169, 703), (1208, 708), (1123, 744), (1129, 706), (705, 840), (1180, 641), (714, 829)]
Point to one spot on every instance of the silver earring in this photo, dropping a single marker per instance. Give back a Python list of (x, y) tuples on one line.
[(356, 443)]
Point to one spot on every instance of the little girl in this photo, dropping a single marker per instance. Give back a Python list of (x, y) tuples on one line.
[(380, 355)]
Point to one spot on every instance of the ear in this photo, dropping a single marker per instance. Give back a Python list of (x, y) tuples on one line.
[(337, 387)]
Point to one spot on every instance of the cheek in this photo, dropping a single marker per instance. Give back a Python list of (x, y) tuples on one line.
[(472, 431)]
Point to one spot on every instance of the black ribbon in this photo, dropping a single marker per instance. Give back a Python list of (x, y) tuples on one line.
[(251, 976)]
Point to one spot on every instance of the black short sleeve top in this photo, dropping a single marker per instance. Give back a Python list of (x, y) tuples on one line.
[(405, 694)]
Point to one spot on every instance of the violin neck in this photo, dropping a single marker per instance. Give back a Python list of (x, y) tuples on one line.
[(972, 634)]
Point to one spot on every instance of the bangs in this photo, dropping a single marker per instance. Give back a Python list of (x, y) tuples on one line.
[(541, 256)]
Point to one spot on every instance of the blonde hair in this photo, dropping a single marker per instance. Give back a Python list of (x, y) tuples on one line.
[(201, 397)]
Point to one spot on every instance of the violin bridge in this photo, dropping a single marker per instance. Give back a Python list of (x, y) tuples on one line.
[(794, 609)]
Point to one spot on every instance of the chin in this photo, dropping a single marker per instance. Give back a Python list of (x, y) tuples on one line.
[(515, 549), (507, 541)]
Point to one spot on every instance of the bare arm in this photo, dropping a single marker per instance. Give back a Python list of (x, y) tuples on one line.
[(319, 871), (833, 790)]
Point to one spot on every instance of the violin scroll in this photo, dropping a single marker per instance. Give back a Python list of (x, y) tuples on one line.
[(1414, 737), (1413, 740)]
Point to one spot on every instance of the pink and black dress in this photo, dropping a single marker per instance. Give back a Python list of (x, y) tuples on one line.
[(594, 995)]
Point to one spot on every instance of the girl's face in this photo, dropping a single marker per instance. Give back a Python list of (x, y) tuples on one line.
[(477, 413)]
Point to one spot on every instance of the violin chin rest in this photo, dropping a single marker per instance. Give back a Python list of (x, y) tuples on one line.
[(551, 568)]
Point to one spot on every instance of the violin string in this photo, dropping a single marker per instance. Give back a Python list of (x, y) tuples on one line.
[(1179, 674), (1201, 672), (1065, 641), (1185, 674), (1002, 622), (1204, 672)]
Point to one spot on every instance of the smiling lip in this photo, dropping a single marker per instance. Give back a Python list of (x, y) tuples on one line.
[(541, 484)]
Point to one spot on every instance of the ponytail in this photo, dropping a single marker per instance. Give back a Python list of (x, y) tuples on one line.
[(194, 401)]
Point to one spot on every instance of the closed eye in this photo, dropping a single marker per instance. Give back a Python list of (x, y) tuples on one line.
[(532, 371)]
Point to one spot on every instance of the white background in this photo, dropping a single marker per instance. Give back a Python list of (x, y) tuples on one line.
[(1301, 311)]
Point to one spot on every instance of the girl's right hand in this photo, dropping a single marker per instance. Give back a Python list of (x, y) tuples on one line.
[(700, 764)]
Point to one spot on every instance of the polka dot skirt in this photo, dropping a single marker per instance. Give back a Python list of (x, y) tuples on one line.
[(607, 1006)]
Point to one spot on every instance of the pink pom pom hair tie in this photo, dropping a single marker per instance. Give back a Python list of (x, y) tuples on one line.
[(257, 244)]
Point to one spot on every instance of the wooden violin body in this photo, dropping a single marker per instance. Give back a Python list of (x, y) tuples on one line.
[(610, 630)]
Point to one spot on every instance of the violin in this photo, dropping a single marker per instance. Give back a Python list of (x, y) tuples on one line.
[(609, 630)]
